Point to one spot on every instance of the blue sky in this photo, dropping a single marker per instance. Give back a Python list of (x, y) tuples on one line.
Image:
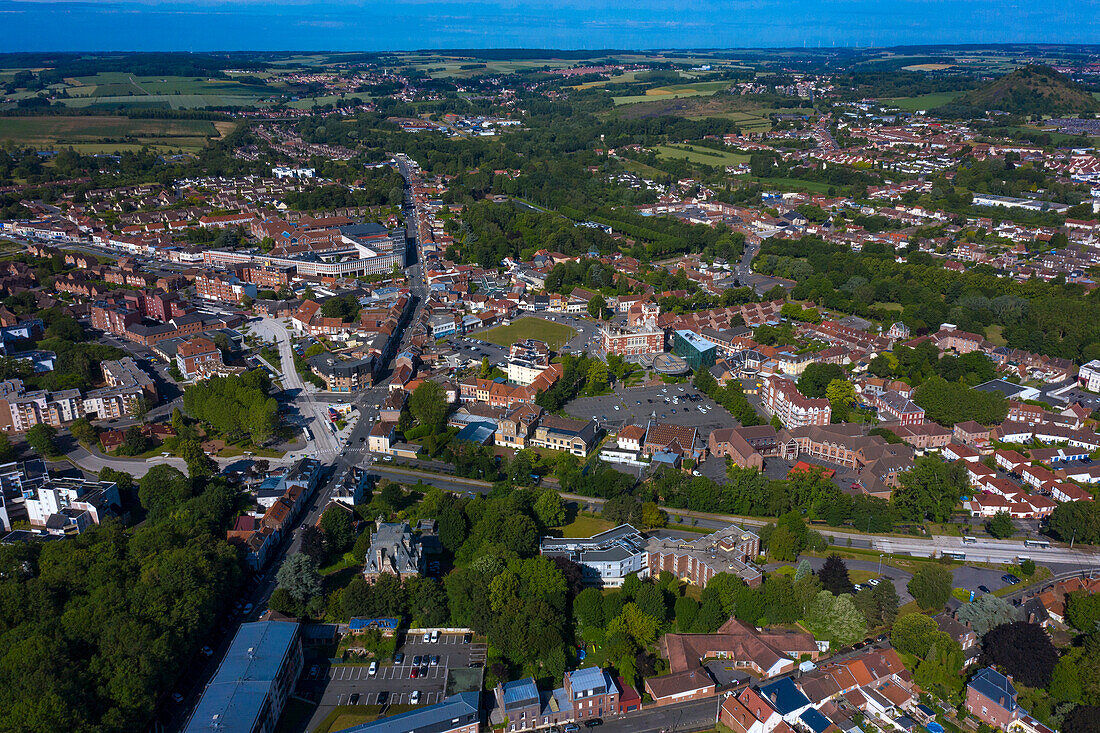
[(206, 25)]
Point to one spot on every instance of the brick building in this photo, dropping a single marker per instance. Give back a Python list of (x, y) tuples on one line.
[(782, 398)]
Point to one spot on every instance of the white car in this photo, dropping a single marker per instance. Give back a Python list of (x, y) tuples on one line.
[(414, 698)]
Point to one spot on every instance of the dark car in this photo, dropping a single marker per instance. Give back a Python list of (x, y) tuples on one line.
[(983, 589), (593, 723), (416, 661), (467, 638), (354, 699), (398, 658), (1010, 579), (383, 696)]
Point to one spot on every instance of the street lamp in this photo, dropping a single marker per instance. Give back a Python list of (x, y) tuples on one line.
[(880, 555)]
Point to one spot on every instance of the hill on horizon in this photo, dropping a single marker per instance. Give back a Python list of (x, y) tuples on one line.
[(1032, 90)]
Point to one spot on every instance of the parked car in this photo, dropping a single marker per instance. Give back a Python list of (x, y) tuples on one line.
[(383, 696), (572, 728), (467, 638), (416, 661), (398, 658), (414, 698), (593, 723), (372, 670), (1010, 579), (426, 638), (354, 699), (207, 651), (983, 589), (415, 673), (435, 660), (313, 671), (435, 636), (176, 697)]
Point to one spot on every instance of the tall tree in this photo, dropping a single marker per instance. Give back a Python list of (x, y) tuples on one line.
[(43, 438), (339, 533), (1023, 650), (299, 577), (428, 405), (930, 586), (834, 575)]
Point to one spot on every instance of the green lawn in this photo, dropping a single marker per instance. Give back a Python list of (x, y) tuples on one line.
[(585, 525), (700, 154), (555, 335)]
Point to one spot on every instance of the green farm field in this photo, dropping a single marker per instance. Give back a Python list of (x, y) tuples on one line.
[(105, 132), (554, 334)]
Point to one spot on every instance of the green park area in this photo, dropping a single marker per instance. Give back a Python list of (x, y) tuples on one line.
[(555, 335)]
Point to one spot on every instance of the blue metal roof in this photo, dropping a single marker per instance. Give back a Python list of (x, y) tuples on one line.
[(784, 696), (478, 432), (520, 692), (359, 624), (239, 691), (589, 678), (431, 719), (815, 721)]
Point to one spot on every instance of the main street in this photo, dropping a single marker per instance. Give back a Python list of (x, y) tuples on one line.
[(323, 444)]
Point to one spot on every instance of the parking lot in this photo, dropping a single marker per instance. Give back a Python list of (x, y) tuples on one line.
[(393, 683), (638, 405)]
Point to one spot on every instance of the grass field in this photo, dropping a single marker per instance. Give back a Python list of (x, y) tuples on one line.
[(105, 133), (675, 91), (923, 101), (708, 156), (995, 335), (585, 525), (793, 184), (555, 335)]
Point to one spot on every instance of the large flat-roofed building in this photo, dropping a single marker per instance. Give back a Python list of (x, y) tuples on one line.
[(606, 558), (698, 352), (729, 550), (253, 681), (457, 714)]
